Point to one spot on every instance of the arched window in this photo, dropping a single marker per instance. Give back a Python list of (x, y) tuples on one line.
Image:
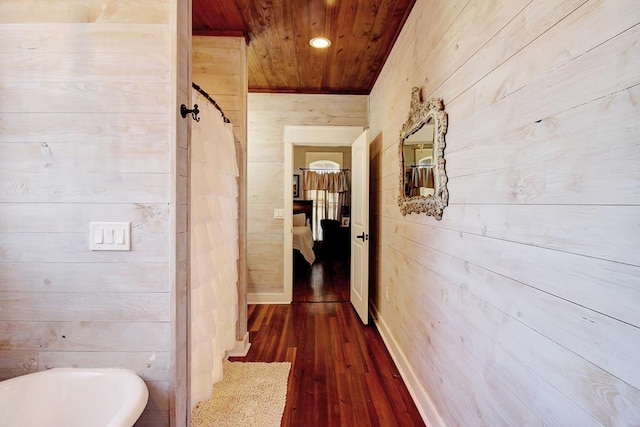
[(425, 161), (324, 165)]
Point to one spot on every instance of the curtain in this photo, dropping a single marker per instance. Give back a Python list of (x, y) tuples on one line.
[(421, 177), (213, 225), (331, 195)]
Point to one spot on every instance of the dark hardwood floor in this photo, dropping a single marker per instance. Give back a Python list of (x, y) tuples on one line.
[(341, 374), (326, 281)]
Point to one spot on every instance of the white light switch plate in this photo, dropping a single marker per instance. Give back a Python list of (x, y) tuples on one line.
[(278, 214), (110, 236)]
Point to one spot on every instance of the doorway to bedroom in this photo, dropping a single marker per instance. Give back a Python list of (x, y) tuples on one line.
[(321, 209), (322, 281)]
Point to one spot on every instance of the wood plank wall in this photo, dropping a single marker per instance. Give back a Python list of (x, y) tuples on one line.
[(520, 307), (268, 114), (219, 66), (88, 101), (179, 389)]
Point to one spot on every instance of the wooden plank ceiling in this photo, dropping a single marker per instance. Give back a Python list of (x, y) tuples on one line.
[(280, 58)]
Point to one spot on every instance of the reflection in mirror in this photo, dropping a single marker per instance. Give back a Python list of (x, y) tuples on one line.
[(423, 180), (418, 162)]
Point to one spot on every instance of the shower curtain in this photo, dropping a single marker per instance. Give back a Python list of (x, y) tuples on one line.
[(214, 247)]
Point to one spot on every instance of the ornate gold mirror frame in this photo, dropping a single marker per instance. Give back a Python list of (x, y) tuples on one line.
[(423, 183)]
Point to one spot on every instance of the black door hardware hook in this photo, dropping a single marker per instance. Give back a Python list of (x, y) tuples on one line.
[(194, 113)]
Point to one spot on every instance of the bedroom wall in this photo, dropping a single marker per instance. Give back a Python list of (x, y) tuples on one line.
[(520, 307), (89, 131), (267, 116)]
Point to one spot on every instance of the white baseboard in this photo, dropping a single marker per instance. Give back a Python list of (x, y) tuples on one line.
[(420, 397), (268, 299), (242, 347)]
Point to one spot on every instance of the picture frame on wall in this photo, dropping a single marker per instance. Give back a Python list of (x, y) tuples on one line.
[(345, 221), (296, 186)]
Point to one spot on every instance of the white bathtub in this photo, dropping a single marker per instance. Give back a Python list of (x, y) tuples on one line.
[(69, 397)]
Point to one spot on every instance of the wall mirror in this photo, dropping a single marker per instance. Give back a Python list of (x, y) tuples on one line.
[(423, 179)]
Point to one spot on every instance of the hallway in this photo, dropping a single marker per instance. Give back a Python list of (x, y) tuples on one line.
[(342, 374)]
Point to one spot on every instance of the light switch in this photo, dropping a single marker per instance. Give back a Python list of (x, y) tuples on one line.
[(98, 235), (119, 237), (278, 214), (110, 236)]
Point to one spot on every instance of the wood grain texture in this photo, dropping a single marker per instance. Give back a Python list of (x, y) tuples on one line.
[(341, 373), (68, 39), (85, 336), (67, 306), (105, 129), (158, 411), (326, 281), (15, 363), (80, 11), (50, 158), (70, 217), (83, 277), (279, 56), (86, 133), (30, 187), (173, 397), (525, 292), (82, 97), (113, 65)]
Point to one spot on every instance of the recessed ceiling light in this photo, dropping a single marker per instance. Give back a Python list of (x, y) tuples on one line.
[(320, 42)]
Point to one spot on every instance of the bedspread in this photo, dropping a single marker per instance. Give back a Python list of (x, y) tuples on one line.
[(303, 241)]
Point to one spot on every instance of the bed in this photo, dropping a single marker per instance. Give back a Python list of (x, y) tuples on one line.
[(302, 230)]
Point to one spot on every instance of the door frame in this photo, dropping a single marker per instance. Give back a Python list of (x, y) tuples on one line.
[(323, 136)]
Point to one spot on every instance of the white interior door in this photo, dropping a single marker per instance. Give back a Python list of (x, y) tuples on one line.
[(360, 226)]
